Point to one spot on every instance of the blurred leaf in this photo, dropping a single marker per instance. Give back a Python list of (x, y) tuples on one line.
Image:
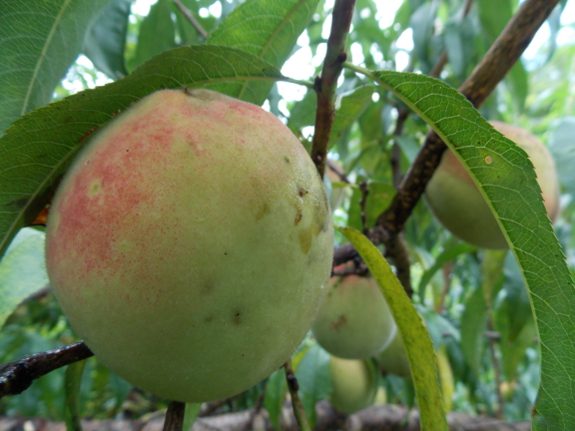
[(106, 41), (38, 42), (494, 16), (378, 199), (268, 29), (506, 177), (22, 271), (422, 22), (473, 326), (416, 338), (275, 393), (314, 379), (157, 33), (303, 112), (562, 147), (190, 415), (446, 255), (352, 105), (38, 148), (514, 320), (72, 384), (459, 43)]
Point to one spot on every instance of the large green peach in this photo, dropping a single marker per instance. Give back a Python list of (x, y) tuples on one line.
[(354, 384), (354, 320), (459, 205), (190, 244)]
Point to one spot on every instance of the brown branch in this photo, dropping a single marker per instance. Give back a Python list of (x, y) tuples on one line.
[(174, 420), (325, 85), (297, 406), (185, 11), (17, 376)]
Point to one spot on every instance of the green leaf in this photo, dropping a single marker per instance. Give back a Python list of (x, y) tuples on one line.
[(190, 415), (22, 271), (416, 338), (37, 149), (268, 29), (473, 325), (563, 150), (72, 384), (506, 177), (494, 16), (314, 379), (157, 33), (352, 105), (378, 199), (275, 393), (106, 41), (446, 256), (38, 42)]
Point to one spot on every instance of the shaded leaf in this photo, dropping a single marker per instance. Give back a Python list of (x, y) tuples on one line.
[(38, 42), (106, 41), (22, 271)]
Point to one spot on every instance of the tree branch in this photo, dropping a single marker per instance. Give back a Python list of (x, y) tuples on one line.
[(185, 11), (174, 420), (17, 376), (326, 85)]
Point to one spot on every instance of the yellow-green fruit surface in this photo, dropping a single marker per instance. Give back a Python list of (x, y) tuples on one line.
[(459, 205), (354, 320), (190, 243), (393, 359), (354, 384)]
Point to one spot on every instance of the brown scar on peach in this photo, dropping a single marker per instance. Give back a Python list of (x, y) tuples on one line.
[(339, 323), (298, 218), (237, 319)]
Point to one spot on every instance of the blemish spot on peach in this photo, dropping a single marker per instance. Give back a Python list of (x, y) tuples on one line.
[(95, 188)]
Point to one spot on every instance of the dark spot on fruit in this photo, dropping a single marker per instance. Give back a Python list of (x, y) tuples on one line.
[(339, 323), (127, 151), (237, 318), (298, 218), (286, 159), (208, 288), (302, 192), (262, 211), (225, 254), (208, 319)]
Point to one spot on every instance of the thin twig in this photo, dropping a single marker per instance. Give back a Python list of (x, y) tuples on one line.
[(362, 204), (17, 376), (175, 416), (297, 406), (325, 85), (186, 12)]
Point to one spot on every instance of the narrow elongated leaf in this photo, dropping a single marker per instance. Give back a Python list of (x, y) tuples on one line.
[(22, 271), (268, 29), (106, 41), (36, 149), (38, 42), (473, 325), (72, 385), (506, 178), (416, 338), (157, 33), (314, 380), (445, 256), (276, 389)]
